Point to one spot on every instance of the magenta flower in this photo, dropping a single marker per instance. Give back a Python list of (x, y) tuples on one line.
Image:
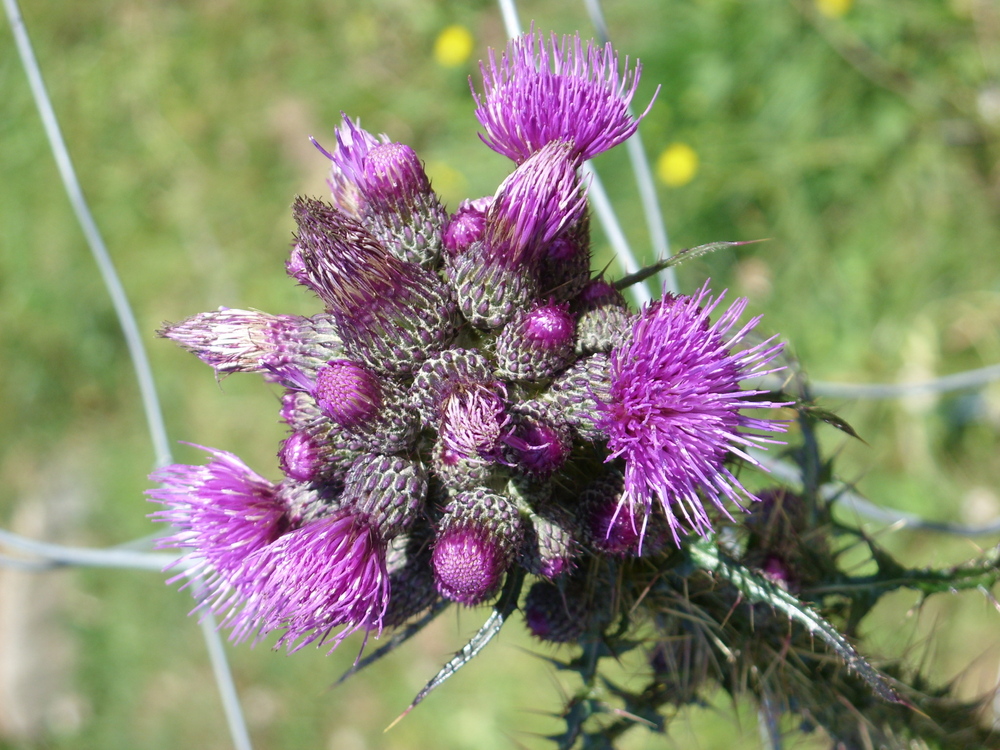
[(675, 409), (223, 512), (327, 574), (542, 93)]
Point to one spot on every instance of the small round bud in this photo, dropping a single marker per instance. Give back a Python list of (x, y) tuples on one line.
[(347, 392), (536, 344), (466, 225), (477, 537), (300, 458), (393, 174), (604, 319)]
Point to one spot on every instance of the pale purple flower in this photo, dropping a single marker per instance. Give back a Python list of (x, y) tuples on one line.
[(347, 168), (252, 341), (675, 411), (539, 93)]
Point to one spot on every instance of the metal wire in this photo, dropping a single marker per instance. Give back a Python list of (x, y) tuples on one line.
[(140, 362)]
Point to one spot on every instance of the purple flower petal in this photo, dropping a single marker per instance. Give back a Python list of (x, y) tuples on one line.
[(675, 410), (541, 93)]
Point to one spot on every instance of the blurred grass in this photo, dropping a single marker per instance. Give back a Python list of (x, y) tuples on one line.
[(865, 146)]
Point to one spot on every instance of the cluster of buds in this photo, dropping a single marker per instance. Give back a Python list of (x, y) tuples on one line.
[(471, 400)]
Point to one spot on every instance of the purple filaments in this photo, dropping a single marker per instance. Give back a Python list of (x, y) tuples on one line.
[(473, 421), (327, 574), (539, 93), (676, 408), (540, 198)]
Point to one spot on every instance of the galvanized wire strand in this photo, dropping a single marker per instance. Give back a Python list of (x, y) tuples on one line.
[(60, 554), (225, 684), (126, 317), (137, 353), (955, 382), (840, 493)]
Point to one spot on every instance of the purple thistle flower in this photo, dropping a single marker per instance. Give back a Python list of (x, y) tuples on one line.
[(347, 168), (532, 205), (674, 412), (500, 275), (390, 314), (557, 92), (327, 574), (223, 513), (473, 422), (222, 510), (252, 341)]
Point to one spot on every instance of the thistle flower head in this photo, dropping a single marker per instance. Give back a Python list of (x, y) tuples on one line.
[(223, 511), (476, 541), (347, 392), (539, 198), (450, 407), (348, 165), (675, 410), (390, 313), (473, 422), (329, 573), (393, 174), (466, 225), (251, 341), (561, 91)]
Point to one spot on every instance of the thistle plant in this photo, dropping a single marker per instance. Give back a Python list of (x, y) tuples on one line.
[(475, 416), (468, 383), (472, 406)]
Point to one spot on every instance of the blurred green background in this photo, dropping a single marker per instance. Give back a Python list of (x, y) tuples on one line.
[(861, 138)]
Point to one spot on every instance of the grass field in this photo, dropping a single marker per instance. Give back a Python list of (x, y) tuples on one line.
[(861, 139)]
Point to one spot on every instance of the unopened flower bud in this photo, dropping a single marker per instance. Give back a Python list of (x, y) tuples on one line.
[(347, 392), (466, 225), (579, 390), (539, 443), (388, 490), (568, 611), (536, 344), (252, 341), (390, 314), (404, 213), (476, 540), (604, 319)]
